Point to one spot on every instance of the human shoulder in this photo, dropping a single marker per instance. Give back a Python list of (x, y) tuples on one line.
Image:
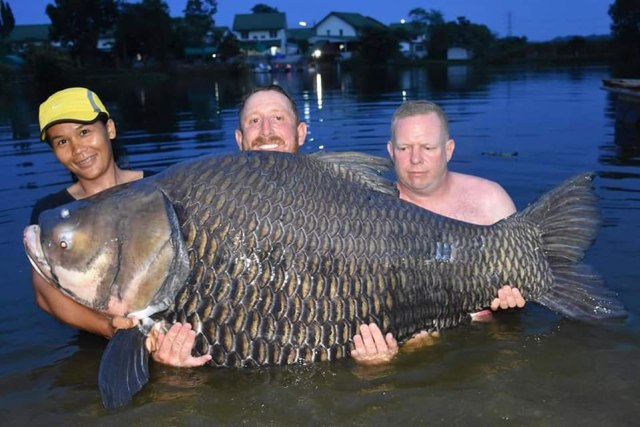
[(479, 186), (50, 201), (495, 201)]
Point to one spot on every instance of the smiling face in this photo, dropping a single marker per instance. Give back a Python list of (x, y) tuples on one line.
[(268, 122), (420, 153), (84, 149)]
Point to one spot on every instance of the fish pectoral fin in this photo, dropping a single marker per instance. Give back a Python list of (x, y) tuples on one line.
[(124, 368)]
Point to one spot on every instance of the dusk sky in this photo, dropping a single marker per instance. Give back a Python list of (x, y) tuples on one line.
[(538, 20)]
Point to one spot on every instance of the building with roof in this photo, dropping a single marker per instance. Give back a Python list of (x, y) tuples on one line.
[(298, 40), (24, 36), (208, 48), (413, 39), (341, 31), (261, 33)]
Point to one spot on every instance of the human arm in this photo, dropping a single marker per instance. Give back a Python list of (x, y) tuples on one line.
[(173, 348), (68, 311)]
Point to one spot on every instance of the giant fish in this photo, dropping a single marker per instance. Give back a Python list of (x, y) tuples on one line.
[(278, 259)]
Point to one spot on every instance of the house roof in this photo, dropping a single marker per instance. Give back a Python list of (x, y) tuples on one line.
[(356, 20), (22, 33), (259, 21), (300, 33)]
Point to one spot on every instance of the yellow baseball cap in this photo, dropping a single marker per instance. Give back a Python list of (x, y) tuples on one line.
[(75, 104)]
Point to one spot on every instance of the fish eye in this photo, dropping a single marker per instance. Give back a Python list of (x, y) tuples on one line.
[(64, 213), (65, 240)]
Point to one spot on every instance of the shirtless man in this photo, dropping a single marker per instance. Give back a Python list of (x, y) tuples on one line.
[(421, 147)]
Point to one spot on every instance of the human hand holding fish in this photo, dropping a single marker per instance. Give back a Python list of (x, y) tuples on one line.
[(508, 297), (119, 322), (371, 348), (174, 347)]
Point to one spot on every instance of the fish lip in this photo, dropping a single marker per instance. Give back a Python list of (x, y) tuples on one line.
[(35, 253)]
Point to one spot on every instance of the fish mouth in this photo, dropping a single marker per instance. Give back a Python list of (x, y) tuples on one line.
[(35, 253)]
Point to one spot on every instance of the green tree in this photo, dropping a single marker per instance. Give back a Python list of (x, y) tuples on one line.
[(79, 24), (198, 19), (508, 49), (439, 41), (477, 38), (625, 27), (7, 21), (422, 21), (228, 46), (625, 20), (144, 31), (378, 45), (263, 8)]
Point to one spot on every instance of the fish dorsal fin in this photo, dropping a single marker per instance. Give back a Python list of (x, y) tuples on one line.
[(364, 169)]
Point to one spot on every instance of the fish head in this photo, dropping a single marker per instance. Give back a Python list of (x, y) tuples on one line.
[(118, 252)]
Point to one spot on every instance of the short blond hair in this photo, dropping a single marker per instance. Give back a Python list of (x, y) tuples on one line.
[(417, 108)]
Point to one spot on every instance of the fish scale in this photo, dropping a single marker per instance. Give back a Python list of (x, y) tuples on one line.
[(327, 241)]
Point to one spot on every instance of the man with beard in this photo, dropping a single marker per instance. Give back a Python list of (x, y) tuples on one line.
[(268, 120)]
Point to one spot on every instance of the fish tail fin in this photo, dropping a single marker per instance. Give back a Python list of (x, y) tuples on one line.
[(568, 219), (124, 368)]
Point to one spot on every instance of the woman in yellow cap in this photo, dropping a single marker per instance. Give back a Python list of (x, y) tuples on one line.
[(79, 130)]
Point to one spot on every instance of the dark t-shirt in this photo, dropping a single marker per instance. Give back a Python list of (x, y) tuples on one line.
[(60, 198)]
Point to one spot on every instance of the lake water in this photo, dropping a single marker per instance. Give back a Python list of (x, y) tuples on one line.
[(529, 367)]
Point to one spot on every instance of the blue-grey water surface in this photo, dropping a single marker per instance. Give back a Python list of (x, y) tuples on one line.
[(526, 129)]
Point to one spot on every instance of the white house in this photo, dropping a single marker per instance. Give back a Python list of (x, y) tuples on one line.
[(342, 30), (261, 33)]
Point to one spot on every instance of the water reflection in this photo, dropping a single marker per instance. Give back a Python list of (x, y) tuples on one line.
[(319, 90), (624, 116)]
